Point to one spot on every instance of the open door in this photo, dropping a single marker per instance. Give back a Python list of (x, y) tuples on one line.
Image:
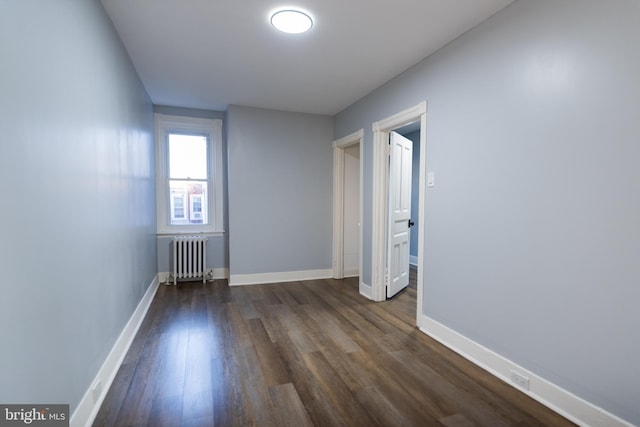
[(400, 162)]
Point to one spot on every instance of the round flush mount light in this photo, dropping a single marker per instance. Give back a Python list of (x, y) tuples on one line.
[(291, 21)]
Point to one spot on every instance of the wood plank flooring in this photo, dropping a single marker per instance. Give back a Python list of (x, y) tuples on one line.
[(312, 353)]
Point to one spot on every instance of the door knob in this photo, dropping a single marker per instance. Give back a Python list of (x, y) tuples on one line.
[(411, 223)]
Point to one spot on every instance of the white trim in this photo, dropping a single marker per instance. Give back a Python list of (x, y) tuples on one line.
[(402, 118), (285, 276), (165, 124), (219, 273), (89, 405), (413, 260), (422, 200), (338, 212), (381, 131), (349, 140), (365, 290), (352, 272), (339, 146), (163, 278), (361, 201), (551, 395)]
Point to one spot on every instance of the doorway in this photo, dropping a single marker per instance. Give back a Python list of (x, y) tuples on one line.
[(351, 209), (380, 245), (347, 206)]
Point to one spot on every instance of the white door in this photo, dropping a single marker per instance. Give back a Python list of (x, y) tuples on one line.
[(400, 160)]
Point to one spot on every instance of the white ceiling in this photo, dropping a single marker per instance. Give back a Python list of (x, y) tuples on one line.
[(212, 53)]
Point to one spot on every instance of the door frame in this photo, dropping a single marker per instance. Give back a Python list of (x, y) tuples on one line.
[(379, 245), (339, 147)]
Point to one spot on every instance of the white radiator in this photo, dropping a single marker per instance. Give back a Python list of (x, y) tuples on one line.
[(189, 258)]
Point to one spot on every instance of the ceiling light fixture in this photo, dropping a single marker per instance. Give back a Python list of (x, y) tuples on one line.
[(291, 21)]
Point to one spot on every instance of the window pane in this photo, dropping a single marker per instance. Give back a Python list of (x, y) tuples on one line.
[(188, 202), (178, 207), (195, 213), (187, 156)]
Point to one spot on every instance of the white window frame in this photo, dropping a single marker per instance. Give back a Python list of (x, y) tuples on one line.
[(212, 129)]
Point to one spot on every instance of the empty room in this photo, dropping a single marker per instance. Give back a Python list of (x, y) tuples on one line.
[(320, 213)]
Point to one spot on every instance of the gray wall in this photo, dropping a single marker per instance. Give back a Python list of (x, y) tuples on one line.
[(280, 191), (78, 246), (532, 237), (217, 246)]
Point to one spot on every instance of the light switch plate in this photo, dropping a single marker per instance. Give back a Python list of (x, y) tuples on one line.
[(431, 179)]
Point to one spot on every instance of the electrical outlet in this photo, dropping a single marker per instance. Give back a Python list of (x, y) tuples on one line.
[(520, 380)]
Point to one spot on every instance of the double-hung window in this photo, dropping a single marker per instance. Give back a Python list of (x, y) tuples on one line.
[(188, 174)]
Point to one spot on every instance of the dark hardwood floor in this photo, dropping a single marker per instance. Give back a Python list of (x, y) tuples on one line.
[(301, 354)]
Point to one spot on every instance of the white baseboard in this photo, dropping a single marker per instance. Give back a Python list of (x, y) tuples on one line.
[(163, 277), (285, 276), (413, 260), (351, 272), (89, 406), (554, 397), (365, 290), (218, 273)]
